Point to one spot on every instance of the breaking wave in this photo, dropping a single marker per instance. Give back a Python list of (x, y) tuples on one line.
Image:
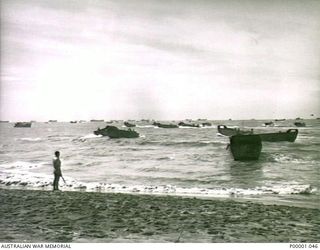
[(42, 181), (86, 137), (30, 139), (182, 143)]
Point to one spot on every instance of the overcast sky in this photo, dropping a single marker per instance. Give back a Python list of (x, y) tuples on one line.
[(134, 59)]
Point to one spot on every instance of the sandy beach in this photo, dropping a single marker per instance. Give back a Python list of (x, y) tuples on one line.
[(45, 216)]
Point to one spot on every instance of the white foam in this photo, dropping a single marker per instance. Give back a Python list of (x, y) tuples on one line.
[(30, 139), (146, 126), (90, 136), (206, 142), (206, 127), (285, 158), (292, 189), (188, 127), (36, 180), (21, 165), (18, 174), (221, 135)]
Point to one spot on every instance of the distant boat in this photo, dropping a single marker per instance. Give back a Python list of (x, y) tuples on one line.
[(224, 130), (161, 125), (182, 124), (94, 120), (245, 147), (299, 124), (205, 124), (114, 132), (298, 118), (22, 125), (280, 120), (269, 124), (52, 121), (73, 122), (129, 125)]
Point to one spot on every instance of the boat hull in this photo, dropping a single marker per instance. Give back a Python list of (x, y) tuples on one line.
[(224, 130), (208, 124), (113, 132), (160, 125), (289, 136), (22, 125), (129, 125), (182, 124), (245, 147), (299, 124)]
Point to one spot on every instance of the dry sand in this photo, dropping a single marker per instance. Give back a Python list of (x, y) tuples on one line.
[(44, 216)]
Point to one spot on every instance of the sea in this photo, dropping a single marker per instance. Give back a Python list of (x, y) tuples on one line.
[(184, 161)]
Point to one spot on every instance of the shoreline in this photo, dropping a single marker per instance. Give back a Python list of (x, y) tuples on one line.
[(46, 216), (235, 198)]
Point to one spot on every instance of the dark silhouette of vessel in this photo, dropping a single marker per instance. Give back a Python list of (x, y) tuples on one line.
[(245, 147), (114, 132)]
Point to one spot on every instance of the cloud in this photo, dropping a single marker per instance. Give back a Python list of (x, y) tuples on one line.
[(152, 57)]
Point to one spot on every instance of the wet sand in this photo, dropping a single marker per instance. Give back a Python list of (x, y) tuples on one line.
[(45, 216)]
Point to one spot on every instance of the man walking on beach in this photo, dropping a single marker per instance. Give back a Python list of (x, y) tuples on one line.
[(57, 170)]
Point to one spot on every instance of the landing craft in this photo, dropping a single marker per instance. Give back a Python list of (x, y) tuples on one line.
[(22, 125), (129, 125), (183, 124), (161, 125), (245, 147), (300, 124), (114, 132), (290, 135)]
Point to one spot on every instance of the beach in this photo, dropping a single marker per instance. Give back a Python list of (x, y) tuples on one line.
[(46, 216)]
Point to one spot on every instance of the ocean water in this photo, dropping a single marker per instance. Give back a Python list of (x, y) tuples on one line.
[(183, 161)]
